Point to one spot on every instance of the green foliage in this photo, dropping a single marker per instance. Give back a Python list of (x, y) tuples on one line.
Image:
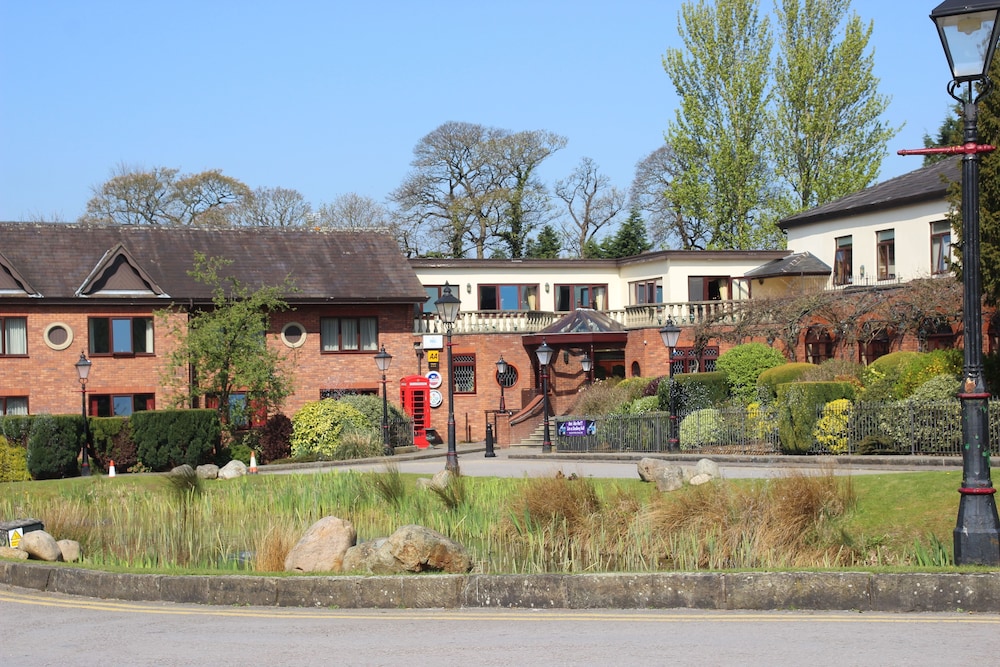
[(643, 405), (275, 438), (694, 391), (111, 438), (797, 402), (951, 132), (881, 376), (168, 438), (226, 344), (634, 387), (743, 364), (53, 445), (546, 246), (788, 372), (602, 398), (834, 370), (938, 389), (831, 427), (13, 462), (16, 428), (317, 428), (629, 240), (922, 368), (700, 428), (371, 407)]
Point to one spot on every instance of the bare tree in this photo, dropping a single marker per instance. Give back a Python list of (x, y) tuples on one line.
[(354, 211), (651, 194), (592, 204), (274, 207)]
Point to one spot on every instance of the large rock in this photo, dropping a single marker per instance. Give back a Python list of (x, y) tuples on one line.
[(13, 553), (70, 550), (699, 479), (669, 478), (233, 469), (707, 467), (647, 468), (40, 546), (368, 557), (409, 549), (183, 470), (323, 546), (207, 471)]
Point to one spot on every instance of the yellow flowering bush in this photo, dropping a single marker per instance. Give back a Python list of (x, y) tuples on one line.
[(831, 428)]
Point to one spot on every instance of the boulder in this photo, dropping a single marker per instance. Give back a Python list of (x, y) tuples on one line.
[(323, 546), (207, 471), (707, 467), (70, 550), (233, 469), (699, 479), (647, 468), (40, 546), (416, 548), (441, 478), (669, 478), (13, 553), (367, 558)]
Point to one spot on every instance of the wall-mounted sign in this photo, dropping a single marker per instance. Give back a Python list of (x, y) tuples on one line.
[(433, 342), (436, 398), (434, 379), (433, 356), (573, 427)]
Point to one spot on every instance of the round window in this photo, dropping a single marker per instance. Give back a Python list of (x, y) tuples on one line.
[(508, 378), (58, 336), (293, 334)]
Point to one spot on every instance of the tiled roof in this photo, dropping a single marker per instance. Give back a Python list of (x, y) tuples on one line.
[(328, 266), (799, 264), (924, 184)]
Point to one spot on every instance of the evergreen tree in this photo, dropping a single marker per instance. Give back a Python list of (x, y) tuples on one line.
[(629, 240), (949, 134), (546, 246)]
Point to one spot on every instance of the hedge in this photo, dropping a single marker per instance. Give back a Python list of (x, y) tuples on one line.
[(53, 445), (111, 439), (790, 372), (797, 413), (694, 391), (168, 438)]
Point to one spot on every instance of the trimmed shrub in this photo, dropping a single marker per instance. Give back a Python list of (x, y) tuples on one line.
[(789, 372), (276, 438), (600, 398), (831, 427), (938, 389), (168, 438), (835, 370), (700, 428), (53, 445), (634, 387), (111, 438), (641, 406), (13, 462), (797, 416), (925, 367), (743, 365), (371, 407), (17, 429), (694, 391), (318, 426)]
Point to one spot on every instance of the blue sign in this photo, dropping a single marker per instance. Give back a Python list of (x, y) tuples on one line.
[(574, 427)]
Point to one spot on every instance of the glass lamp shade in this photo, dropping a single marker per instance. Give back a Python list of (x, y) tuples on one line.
[(83, 367), (544, 353), (447, 305), (968, 32), (383, 359), (670, 333)]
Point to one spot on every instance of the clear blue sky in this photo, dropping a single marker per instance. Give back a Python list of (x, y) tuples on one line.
[(331, 97)]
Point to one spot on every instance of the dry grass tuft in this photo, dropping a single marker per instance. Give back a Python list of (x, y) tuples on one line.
[(272, 547)]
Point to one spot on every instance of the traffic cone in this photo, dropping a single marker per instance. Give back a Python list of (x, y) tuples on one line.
[(253, 463), (111, 469)]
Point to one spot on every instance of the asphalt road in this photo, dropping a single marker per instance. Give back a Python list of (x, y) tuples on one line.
[(46, 629)]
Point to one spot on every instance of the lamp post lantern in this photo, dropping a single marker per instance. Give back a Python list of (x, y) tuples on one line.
[(382, 360), (448, 306), (501, 378), (968, 30), (587, 364), (670, 333), (545, 354), (83, 372)]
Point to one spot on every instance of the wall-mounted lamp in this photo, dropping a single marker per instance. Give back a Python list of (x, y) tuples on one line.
[(468, 288), (546, 288)]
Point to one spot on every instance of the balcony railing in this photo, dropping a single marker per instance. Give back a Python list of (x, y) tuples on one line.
[(645, 316)]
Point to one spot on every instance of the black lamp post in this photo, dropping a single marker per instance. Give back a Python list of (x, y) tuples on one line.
[(968, 31), (382, 360), (83, 372), (418, 349), (587, 364), (501, 373), (545, 354), (670, 333), (448, 306)]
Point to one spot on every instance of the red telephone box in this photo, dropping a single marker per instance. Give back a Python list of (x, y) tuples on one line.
[(415, 396)]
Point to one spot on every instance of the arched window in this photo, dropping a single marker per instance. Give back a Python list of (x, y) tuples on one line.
[(819, 344)]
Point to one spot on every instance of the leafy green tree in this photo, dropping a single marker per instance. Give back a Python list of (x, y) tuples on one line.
[(720, 129), (828, 139), (950, 133), (545, 246), (226, 345), (629, 240)]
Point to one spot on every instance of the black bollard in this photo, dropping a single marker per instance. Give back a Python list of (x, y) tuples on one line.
[(489, 442)]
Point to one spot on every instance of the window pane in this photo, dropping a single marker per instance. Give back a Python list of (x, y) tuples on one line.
[(488, 297), (142, 335), (369, 333), (122, 406), (348, 334), (509, 297), (465, 373), (601, 297), (121, 335), (15, 335), (100, 335), (15, 405), (328, 334), (562, 298)]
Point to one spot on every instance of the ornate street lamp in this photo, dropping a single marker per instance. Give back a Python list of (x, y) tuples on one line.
[(501, 373), (968, 31), (670, 333), (382, 360), (587, 364), (448, 306), (545, 354), (83, 372)]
